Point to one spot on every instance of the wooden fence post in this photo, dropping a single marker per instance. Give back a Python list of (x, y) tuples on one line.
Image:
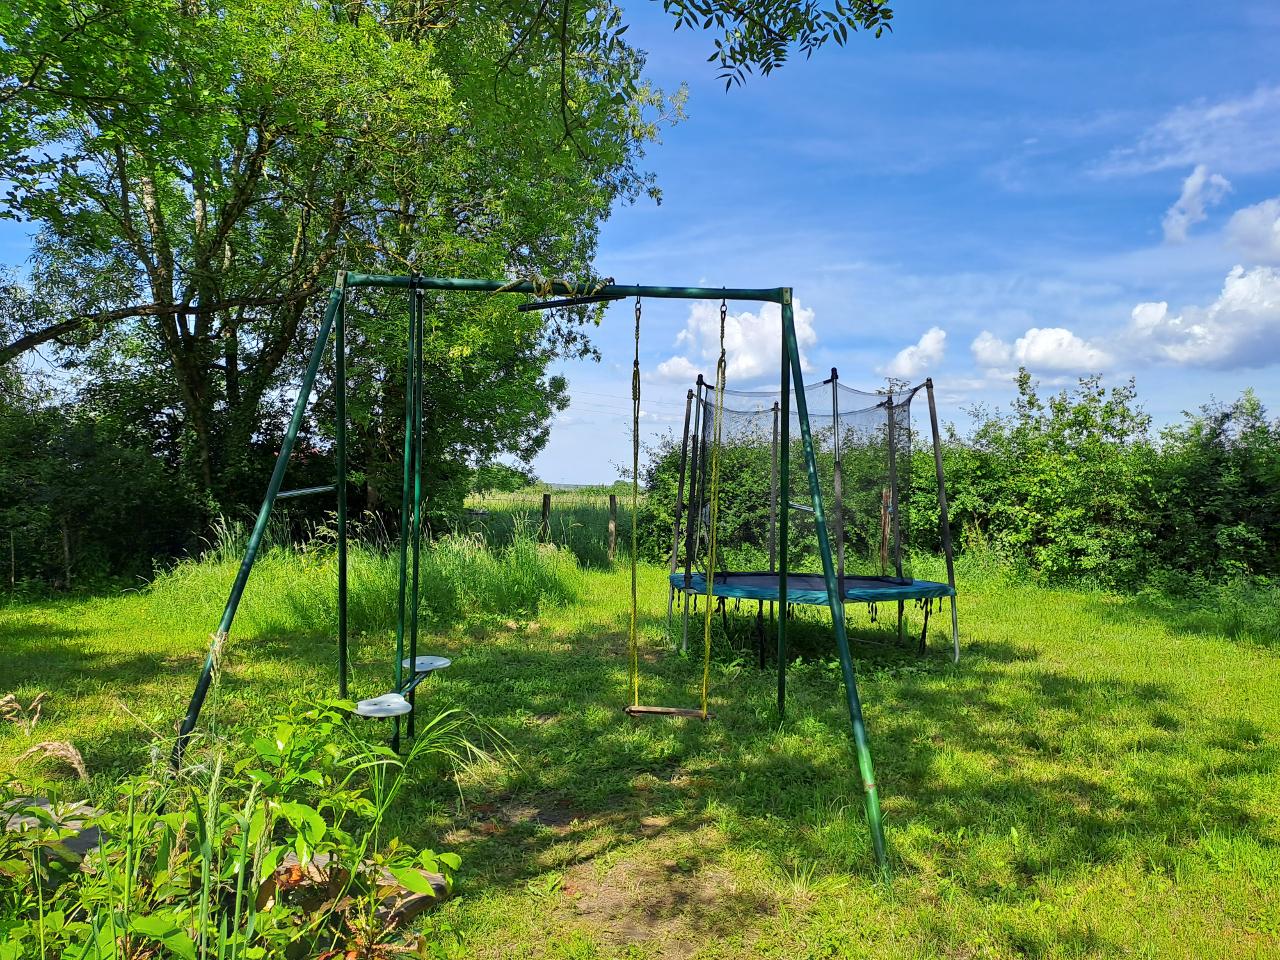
[(613, 526), (545, 532)]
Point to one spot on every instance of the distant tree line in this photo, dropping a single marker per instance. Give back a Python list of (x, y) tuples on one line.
[(1073, 487)]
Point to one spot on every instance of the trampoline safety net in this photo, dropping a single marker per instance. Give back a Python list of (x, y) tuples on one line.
[(863, 446)]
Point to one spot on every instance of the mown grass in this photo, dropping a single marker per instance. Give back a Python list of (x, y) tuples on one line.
[(1097, 777)]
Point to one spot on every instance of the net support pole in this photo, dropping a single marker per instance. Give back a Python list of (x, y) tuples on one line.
[(892, 440), (340, 392), (417, 499), (837, 508), (861, 742), (773, 508), (690, 527), (679, 510), (782, 504), (944, 521), (260, 525)]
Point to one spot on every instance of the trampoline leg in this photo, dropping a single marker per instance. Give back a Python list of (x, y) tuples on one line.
[(684, 634), (760, 633), (955, 632), (900, 612)]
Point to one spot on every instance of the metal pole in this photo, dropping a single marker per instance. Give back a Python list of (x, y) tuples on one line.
[(675, 520), (944, 519), (417, 498), (340, 389), (837, 508), (773, 510), (783, 508), (861, 743), (406, 519), (260, 526), (555, 287), (773, 495), (891, 435), (694, 511)]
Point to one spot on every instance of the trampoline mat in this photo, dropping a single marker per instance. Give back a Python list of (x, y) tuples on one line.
[(812, 588)]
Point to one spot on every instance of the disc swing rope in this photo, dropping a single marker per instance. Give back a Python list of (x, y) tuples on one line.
[(636, 708)]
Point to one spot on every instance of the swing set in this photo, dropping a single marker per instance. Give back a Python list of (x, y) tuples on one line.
[(409, 669)]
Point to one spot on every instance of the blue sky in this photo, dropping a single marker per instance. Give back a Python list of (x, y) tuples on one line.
[(992, 185), (1074, 188)]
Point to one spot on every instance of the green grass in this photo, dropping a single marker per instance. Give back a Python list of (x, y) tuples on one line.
[(1097, 777)]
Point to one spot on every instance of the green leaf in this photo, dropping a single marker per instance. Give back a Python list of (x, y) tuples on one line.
[(412, 880), (306, 820), (164, 927)]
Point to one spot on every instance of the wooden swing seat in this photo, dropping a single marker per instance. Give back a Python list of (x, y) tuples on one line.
[(640, 711)]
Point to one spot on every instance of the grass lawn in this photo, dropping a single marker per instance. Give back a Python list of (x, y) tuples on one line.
[(1097, 777)]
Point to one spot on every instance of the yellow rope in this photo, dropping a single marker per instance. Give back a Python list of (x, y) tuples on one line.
[(714, 513), (635, 510)]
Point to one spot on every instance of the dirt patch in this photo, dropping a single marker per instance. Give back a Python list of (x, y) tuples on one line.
[(671, 907), (554, 816)]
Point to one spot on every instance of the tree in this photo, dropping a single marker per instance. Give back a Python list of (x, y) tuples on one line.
[(196, 184)]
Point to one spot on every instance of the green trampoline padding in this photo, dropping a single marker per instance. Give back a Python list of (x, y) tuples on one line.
[(812, 588)]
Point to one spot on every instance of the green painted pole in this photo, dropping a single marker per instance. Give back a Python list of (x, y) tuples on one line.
[(405, 519), (417, 497), (944, 523), (340, 389), (861, 743), (259, 528), (561, 288), (784, 505)]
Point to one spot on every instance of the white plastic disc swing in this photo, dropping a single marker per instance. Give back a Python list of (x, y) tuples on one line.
[(427, 664), (386, 705)]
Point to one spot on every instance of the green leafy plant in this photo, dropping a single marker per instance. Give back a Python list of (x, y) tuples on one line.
[(276, 841)]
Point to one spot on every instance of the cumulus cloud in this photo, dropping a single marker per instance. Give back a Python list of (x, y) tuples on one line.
[(1255, 231), (920, 356), (1238, 135), (990, 351), (1241, 328), (1041, 348), (1200, 191), (751, 341)]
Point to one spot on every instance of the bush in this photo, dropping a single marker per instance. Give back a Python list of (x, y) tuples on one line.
[(1072, 488), (198, 865)]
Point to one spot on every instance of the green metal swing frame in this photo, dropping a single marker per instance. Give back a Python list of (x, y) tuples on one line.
[(334, 323)]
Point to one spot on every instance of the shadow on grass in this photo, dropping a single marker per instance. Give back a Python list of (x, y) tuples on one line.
[(1077, 772)]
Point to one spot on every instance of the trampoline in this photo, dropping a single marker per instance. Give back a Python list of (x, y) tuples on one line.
[(811, 588), (869, 476)]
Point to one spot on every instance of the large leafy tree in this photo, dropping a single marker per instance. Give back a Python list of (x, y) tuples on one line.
[(199, 169)]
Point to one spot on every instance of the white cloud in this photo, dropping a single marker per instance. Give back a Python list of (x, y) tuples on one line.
[(1200, 191), (677, 368), (1255, 231), (1041, 348), (1241, 328), (752, 343), (1241, 135), (918, 357), (990, 351)]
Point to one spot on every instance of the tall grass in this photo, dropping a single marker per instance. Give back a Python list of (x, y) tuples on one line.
[(579, 521), (462, 577)]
